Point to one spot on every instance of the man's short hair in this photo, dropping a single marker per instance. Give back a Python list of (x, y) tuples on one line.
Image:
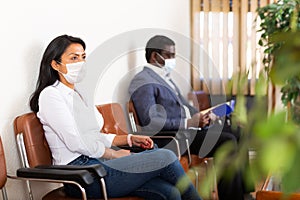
[(157, 44)]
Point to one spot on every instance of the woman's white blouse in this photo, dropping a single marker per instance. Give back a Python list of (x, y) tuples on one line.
[(72, 126)]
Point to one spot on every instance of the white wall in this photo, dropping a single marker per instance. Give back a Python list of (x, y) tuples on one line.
[(28, 26)]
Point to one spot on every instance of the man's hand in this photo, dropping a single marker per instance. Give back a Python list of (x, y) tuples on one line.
[(199, 120), (144, 142)]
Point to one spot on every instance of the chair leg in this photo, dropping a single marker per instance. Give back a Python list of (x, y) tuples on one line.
[(23, 156), (196, 178), (4, 194), (188, 151), (214, 189), (104, 189), (29, 190)]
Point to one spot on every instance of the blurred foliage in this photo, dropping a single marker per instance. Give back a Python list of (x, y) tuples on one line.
[(277, 144), (275, 141)]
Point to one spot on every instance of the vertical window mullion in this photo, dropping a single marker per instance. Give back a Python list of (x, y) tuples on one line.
[(235, 42), (254, 41), (225, 40), (204, 67)]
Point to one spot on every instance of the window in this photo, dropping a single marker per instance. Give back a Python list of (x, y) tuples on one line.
[(226, 31)]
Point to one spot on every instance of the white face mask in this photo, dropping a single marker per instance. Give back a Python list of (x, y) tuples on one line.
[(75, 72), (170, 64)]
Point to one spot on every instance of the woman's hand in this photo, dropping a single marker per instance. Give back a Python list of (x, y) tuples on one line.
[(144, 142)]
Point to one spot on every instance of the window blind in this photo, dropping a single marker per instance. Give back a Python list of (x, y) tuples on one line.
[(225, 32)]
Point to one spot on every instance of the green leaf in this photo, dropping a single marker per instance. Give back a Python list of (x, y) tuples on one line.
[(274, 126), (290, 179), (275, 159)]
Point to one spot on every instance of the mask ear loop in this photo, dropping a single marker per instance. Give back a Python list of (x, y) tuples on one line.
[(161, 58), (60, 64)]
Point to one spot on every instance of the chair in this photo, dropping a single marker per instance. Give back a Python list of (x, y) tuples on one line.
[(195, 97), (136, 128), (268, 192), (135, 125), (3, 176), (34, 152), (275, 195), (79, 177), (115, 122)]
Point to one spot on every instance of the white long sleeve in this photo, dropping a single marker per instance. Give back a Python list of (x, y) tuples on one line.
[(70, 126)]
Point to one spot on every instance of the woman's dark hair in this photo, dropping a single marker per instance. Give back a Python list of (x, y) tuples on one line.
[(47, 75), (157, 44)]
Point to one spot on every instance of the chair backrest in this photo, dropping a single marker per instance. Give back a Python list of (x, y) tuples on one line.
[(3, 177), (114, 118), (133, 118), (199, 99), (135, 125), (29, 131)]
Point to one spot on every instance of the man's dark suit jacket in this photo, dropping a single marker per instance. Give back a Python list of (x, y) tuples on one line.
[(157, 105)]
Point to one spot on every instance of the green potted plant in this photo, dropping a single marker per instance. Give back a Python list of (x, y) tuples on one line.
[(286, 72), (280, 23)]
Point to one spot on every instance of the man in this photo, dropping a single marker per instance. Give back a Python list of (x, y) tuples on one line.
[(160, 106)]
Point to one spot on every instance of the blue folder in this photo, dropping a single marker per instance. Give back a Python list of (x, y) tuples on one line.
[(222, 109)]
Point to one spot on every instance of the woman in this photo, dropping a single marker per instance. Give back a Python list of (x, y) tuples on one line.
[(152, 174)]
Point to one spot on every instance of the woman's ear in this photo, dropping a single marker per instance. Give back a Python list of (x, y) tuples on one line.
[(55, 65)]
